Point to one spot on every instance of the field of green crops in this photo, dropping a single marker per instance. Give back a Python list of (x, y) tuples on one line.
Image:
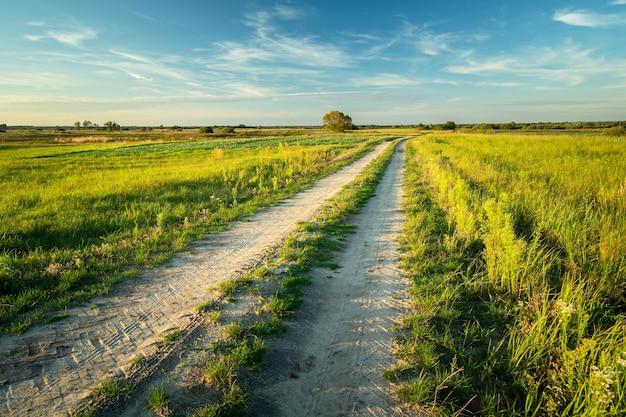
[(78, 214), (516, 247)]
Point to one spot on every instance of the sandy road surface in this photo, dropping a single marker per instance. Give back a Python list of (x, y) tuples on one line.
[(331, 360), (50, 369)]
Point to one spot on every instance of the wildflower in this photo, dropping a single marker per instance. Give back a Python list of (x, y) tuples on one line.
[(564, 310), (621, 361), (54, 269), (601, 382)]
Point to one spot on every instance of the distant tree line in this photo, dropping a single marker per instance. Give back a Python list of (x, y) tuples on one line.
[(87, 124), (450, 125), (339, 122)]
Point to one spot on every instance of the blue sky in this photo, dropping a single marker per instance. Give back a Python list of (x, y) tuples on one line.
[(287, 62)]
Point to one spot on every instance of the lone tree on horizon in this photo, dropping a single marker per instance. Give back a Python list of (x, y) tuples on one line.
[(337, 121)]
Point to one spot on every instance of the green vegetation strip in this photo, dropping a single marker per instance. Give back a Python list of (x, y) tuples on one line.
[(81, 217), (519, 279), (279, 289)]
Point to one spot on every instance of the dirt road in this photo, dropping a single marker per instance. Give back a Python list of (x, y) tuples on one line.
[(51, 369), (331, 360)]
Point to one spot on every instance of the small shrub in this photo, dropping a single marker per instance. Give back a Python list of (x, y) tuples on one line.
[(158, 402), (206, 129), (270, 328), (418, 391), (281, 305), (226, 130), (234, 400), (249, 354), (219, 372), (615, 131), (114, 388), (235, 330), (483, 126), (209, 305), (231, 286), (169, 338), (137, 360)]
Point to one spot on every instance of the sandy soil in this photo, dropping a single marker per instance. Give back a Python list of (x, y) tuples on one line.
[(50, 370), (331, 360)]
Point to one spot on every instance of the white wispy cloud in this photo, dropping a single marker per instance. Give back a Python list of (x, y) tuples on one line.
[(144, 16), (429, 42), (434, 44), (247, 90), (136, 75), (569, 64), (138, 67), (617, 2), (132, 57), (504, 84), (426, 41), (268, 45), (256, 70), (374, 46), (445, 81), (287, 12), (587, 18), (74, 37), (484, 66), (385, 80), (42, 80)]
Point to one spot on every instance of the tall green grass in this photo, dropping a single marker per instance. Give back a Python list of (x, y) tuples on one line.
[(526, 289), (77, 217)]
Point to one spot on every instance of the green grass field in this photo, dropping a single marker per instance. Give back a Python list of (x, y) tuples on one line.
[(515, 245), (80, 212)]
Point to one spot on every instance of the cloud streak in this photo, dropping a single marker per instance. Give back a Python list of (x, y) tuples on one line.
[(569, 64), (74, 38), (586, 18), (385, 81), (268, 45)]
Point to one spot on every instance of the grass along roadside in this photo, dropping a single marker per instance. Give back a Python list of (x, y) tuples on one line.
[(510, 317), (243, 315), (81, 218)]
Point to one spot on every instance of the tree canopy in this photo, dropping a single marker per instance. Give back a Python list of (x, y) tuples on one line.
[(112, 125), (337, 121)]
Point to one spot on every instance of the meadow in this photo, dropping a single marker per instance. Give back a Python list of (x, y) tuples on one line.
[(515, 248), (80, 212)]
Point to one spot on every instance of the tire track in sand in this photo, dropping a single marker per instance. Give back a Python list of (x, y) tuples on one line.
[(331, 360), (52, 368)]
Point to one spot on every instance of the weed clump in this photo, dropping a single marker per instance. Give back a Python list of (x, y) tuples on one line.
[(615, 131)]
